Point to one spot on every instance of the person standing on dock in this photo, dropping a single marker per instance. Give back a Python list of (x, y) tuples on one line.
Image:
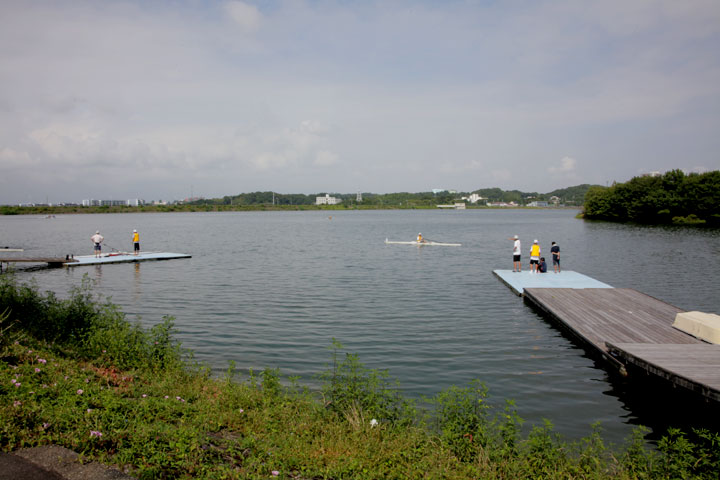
[(517, 266), (97, 239), (136, 242), (555, 250), (534, 256)]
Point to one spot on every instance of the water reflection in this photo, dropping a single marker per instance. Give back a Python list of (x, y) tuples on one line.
[(137, 286)]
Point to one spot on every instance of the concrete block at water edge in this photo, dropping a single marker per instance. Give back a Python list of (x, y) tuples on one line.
[(705, 326)]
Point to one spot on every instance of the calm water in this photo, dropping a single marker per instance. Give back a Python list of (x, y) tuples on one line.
[(271, 289)]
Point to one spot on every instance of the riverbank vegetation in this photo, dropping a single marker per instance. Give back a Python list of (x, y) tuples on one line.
[(254, 201), (75, 372), (671, 198)]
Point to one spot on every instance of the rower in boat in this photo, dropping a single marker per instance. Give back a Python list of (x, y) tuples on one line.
[(420, 238)]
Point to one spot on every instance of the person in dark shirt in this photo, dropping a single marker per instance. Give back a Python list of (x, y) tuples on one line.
[(555, 249), (542, 266)]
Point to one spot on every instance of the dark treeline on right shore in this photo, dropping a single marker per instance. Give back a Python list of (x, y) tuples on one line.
[(672, 198)]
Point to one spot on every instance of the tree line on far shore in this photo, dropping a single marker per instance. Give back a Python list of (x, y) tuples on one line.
[(572, 196), (671, 198)]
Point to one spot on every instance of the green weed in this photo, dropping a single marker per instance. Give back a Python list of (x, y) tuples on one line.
[(158, 416)]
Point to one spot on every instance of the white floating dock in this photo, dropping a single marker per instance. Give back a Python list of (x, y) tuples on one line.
[(519, 281), (123, 257)]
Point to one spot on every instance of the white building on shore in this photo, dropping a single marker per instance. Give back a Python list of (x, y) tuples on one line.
[(327, 200)]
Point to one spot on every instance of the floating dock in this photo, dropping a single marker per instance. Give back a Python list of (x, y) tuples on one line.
[(619, 315), (695, 367), (123, 257), (51, 261), (633, 331), (519, 281)]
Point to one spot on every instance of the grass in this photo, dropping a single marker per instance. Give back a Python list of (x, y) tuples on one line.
[(127, 396)]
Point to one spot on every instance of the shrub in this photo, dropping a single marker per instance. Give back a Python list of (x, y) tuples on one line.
[(86, 327), (354, 391)]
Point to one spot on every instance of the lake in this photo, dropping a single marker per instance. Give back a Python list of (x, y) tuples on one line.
[(272, 289)]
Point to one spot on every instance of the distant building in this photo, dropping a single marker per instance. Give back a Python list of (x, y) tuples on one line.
[(359, 197), (456, 206), (537, 203), (113, 203), (652, 174), (135, 202), (501, 204), (474, 198), (438, 190), (327, 200)]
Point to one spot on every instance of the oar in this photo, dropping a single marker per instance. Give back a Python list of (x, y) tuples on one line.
[(111, 247)]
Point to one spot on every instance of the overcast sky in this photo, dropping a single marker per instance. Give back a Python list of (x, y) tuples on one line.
[(161, 99)]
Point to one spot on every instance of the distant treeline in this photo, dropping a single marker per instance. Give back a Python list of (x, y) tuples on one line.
[(672, 198), (571, 196), (567, 196)]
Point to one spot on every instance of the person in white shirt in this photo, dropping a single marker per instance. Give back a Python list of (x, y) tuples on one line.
[(97, 239), (517, 266)]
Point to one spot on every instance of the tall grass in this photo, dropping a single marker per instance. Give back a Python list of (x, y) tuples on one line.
[(86, 326), (122, 394)]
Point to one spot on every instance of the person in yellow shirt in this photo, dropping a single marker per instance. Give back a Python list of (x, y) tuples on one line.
[(136, 242), (420, 238), (534, 256)]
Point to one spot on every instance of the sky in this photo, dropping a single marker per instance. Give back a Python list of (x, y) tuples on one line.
[(170, 99)]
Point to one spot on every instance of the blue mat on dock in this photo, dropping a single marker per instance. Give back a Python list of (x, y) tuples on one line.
[(124, 258), (519, 281)]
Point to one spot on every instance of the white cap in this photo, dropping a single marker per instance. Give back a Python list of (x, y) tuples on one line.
[(516, 237), (535, 241), (134, 231), (97, 231)]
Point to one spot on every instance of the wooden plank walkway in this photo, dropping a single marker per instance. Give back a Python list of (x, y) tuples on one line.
[(616, 315), (695, 367)]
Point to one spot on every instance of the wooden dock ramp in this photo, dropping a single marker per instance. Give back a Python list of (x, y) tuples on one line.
[(618, 315), (634, 330), (694, 367)]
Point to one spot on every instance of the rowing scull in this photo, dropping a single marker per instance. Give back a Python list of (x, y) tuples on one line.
[(420, 244)]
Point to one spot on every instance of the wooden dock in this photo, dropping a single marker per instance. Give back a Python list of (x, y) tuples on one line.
[(694, 367), (629, 329), (617, 315)]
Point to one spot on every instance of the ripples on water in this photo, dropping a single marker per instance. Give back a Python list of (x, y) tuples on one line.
[(271, 289)]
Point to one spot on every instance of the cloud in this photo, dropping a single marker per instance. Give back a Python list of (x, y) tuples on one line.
[(402, 95), (247, 17), (325, 158), (567, 166), (11, 159)]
